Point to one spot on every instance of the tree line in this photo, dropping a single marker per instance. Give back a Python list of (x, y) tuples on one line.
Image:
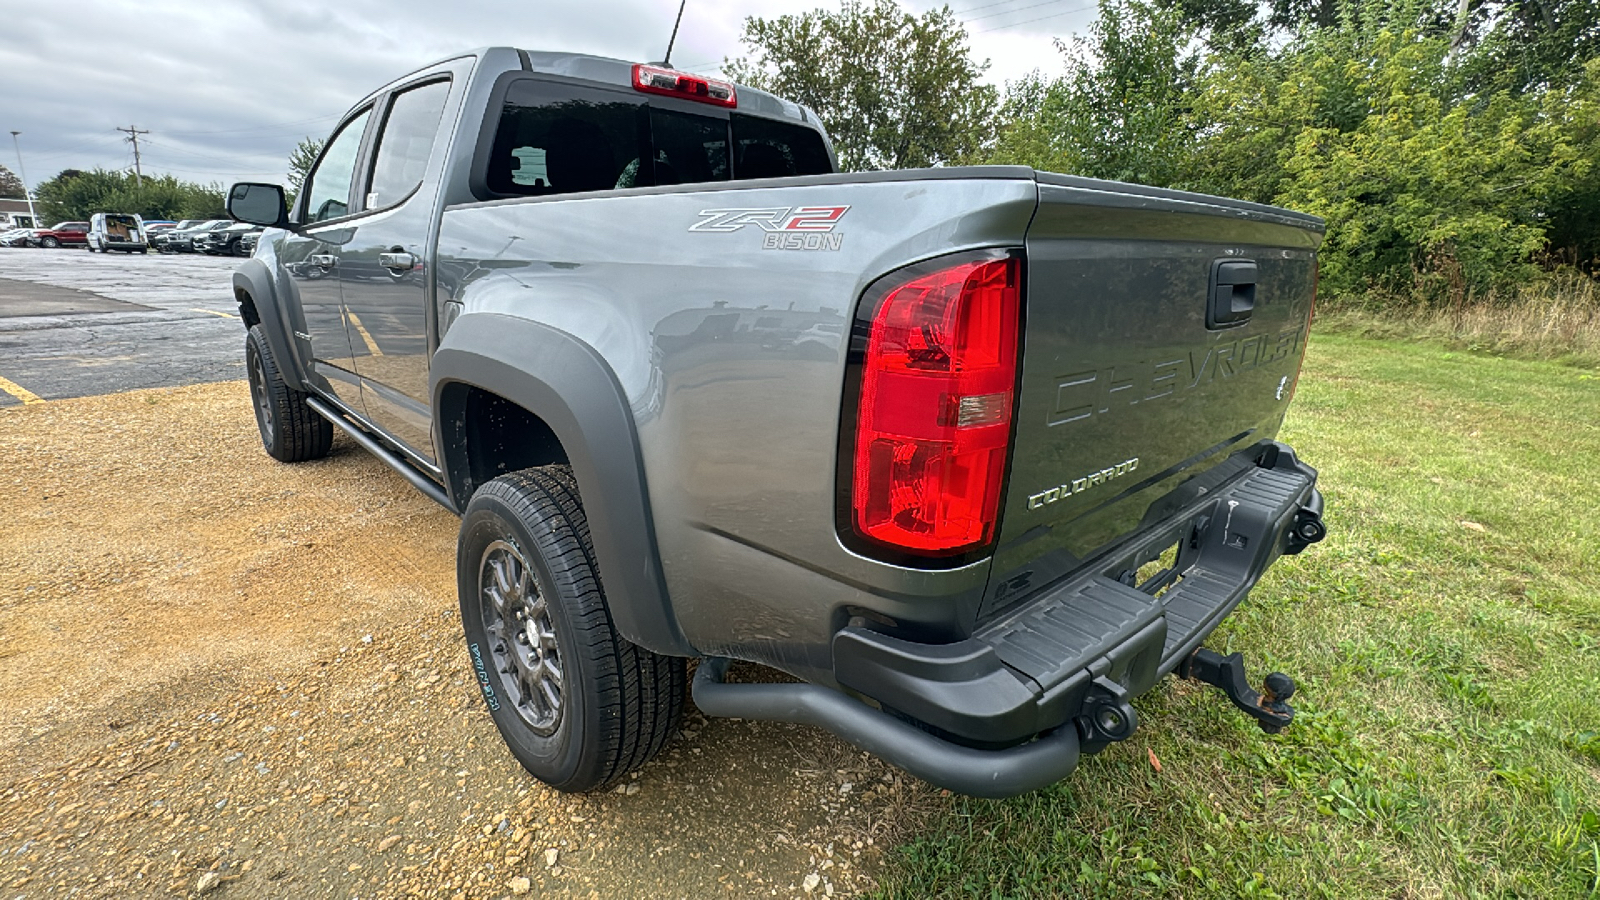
[(1452, 145), (74, 195)]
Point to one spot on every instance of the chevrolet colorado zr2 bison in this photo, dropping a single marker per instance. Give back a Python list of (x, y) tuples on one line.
[(976, 455)]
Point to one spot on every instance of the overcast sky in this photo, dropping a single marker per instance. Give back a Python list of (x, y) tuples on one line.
[(226, 89)]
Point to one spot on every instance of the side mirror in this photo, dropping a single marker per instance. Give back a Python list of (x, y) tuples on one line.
[(258, 204)]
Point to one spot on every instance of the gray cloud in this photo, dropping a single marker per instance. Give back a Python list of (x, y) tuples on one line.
[(227, 88)]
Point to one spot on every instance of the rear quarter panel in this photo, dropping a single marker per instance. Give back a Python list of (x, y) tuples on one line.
[(732, 359)]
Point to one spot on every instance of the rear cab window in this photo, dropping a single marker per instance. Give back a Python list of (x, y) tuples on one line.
[(558, 138)]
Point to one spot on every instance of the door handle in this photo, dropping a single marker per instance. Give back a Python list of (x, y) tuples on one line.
[(397, 262), (324, 260), (1232, 296)]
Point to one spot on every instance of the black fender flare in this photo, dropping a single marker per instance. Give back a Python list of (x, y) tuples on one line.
[(255, 279), (569, 386)]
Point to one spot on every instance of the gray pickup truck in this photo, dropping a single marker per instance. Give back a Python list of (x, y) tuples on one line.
[(975, 455)]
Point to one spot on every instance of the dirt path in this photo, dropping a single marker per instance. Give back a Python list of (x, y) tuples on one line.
[(221, 674)]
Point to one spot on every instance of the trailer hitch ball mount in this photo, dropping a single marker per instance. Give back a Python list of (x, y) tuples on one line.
[(1268, 706), (1307, 529)]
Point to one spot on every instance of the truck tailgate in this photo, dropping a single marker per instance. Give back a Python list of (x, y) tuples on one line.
[(1163, 332)]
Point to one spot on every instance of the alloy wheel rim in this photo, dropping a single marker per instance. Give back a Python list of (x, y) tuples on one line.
[(522, 637)]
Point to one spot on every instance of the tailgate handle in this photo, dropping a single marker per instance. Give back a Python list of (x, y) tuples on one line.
[(1232, 297)]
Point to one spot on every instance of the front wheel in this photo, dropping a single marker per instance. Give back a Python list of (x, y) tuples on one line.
[(291, 431), (576, 703), (49, 243)]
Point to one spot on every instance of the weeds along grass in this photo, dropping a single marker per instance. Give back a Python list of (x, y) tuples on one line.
[(1446, 639), (1557, 318)]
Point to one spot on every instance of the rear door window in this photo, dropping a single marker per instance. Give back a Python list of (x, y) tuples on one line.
[(767, 148), (406, 142)]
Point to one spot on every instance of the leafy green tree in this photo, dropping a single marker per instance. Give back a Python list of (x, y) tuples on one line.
[(301, 159), (1122, 111), (1530, 45), (1574, 208), (72, 194), (11, 185), (1426, 194), (894, 91), (1439, 186)]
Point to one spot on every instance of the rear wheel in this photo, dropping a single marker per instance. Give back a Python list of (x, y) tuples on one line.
[(291, 431), (576, 703)]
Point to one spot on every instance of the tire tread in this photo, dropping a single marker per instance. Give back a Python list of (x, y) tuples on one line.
[(301, 433), (640, 694)]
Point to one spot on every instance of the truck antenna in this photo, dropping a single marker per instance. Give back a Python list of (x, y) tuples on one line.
[(666, 61)]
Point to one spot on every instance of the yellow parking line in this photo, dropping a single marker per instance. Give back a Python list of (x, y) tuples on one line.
[(372, 345), (19, 392), (214, 313)]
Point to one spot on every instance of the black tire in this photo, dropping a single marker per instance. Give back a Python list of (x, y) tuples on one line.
[(615, 703), (49, 243), (291, 431)]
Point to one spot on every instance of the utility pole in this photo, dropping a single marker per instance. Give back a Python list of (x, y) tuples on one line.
[(133, 135), (27, 194)]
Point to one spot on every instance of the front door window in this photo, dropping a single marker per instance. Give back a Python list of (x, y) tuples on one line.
[(328, 187)]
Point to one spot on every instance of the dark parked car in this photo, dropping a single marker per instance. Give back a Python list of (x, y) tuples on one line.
[(159, 238), (182, 240), (65, 234), (225, 241)]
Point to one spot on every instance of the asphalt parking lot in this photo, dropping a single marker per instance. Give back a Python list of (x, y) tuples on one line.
[(78, 324), (227, 676)]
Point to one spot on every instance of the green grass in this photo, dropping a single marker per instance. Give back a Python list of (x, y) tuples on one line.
[(1446, 639)]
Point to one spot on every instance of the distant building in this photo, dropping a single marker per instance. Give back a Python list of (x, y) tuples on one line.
[(14, 214)]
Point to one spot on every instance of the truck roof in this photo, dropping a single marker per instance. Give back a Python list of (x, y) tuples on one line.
[(606, 70)]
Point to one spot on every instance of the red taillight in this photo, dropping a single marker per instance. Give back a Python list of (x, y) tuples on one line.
[(656, 80), (934, 419)]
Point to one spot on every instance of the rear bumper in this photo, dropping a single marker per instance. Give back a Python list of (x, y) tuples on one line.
[(1030, 682)]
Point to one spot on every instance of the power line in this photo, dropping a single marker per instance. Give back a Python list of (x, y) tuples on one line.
[(701, 67), (1007, 12), (173, 149), (1058, 15), (91, 144), (256, 127), (961, 12)]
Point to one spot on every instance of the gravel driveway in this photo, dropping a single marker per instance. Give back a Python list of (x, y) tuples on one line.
[(228, 676)]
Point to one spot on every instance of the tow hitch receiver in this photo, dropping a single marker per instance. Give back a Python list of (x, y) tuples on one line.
[(1269, 707)]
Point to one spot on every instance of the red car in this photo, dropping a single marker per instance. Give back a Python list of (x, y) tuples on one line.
[(65, 234)]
